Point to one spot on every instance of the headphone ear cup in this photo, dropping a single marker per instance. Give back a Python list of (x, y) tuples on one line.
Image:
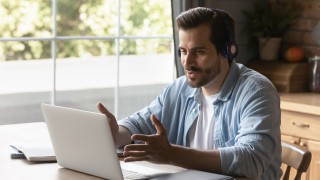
[(230, 50)]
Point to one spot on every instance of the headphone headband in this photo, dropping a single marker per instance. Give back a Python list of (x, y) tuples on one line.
[(230, 49)]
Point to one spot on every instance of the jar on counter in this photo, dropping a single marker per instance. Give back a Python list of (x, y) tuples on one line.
[(314, 81)]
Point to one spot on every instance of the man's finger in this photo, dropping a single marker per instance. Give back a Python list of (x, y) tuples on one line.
[(135, 154), (160, 128), (141, 137), (130, 159), (136, 147), (104, 110)]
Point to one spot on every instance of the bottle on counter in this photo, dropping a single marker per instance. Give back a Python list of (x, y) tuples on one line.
[(314, 78)]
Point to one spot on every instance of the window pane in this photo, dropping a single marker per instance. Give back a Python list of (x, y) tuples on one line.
[(146, 17), (84, 79), (145, 46), (25, 18), (85, 48), (143, 75), (23, 86), (24, 50), (87, 18)]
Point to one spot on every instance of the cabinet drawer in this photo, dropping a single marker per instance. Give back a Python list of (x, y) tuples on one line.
[(300, 125), (290, 139)]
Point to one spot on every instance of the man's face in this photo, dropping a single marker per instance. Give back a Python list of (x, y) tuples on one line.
[(199, 57)]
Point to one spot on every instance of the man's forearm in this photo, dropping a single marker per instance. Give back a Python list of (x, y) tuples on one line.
[(203, 160)]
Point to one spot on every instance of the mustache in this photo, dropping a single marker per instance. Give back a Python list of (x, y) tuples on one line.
[(192, 68)]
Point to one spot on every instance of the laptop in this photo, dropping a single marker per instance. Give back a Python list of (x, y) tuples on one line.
[(82, 141)]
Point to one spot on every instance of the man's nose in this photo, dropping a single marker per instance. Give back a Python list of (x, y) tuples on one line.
[(189, 60)]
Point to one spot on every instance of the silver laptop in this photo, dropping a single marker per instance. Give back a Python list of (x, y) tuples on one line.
[(82, 141)]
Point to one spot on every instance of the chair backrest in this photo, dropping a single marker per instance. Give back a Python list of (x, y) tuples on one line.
[(296, 157)]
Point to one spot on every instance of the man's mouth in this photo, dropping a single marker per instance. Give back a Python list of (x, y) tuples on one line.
[(191, 72)]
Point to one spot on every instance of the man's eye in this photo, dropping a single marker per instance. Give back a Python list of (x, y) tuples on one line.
[(200, 51), (182, 52)]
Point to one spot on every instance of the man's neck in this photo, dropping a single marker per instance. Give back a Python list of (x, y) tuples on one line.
[(215, 85)]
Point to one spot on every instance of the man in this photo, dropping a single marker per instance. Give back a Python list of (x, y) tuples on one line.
[(221, 117)]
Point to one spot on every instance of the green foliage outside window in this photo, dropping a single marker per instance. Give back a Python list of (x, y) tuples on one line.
[(33, 18)]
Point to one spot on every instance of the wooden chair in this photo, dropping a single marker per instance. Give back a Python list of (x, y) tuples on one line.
[(296, 157)]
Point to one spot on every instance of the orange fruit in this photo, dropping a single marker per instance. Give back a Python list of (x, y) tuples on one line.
[(294, 54)]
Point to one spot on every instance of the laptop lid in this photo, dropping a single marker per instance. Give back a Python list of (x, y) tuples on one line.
[(82, 141)]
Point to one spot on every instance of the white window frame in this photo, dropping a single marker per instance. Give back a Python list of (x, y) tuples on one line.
[(54, 38)]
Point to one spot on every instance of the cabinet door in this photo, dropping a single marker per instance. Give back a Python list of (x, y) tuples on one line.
[(293, 172), (314, 148)]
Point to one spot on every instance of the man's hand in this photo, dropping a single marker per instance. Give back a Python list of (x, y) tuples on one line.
[(112, 120), (121, 135), (156, 147)]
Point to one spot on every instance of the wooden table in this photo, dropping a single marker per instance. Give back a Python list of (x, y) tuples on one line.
[(18, 169)]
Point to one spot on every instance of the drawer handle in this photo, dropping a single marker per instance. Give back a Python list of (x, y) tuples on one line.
[(294, 142), (301, 125), (302, 144)]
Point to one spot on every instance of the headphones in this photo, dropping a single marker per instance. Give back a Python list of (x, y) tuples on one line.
[(230, 48)]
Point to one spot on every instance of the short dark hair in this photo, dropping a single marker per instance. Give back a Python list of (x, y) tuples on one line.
[(220, 22)]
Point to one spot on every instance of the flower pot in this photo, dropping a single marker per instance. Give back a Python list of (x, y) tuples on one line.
[(269, 48)]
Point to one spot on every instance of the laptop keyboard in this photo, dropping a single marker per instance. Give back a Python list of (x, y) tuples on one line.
[(134, 175)]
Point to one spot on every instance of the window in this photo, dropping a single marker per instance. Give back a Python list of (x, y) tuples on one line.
[(79, 53)]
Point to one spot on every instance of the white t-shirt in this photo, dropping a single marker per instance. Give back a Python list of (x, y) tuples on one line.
[(201, 132)]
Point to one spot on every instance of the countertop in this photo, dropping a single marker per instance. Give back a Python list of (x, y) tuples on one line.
[(301, 102)]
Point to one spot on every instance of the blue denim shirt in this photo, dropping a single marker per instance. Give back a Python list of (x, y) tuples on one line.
[(247, 121)]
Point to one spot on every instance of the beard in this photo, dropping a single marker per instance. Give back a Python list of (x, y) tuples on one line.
[(203, 76)]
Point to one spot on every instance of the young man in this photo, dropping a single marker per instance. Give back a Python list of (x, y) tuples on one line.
[(220, 117)]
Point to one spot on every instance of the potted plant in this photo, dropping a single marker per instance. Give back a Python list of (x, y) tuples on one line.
[(267, 22)]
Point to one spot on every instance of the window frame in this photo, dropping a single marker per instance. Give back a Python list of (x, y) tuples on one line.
[(55, 38)]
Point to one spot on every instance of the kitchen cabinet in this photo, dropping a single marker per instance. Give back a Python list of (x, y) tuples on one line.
[(300, 124)]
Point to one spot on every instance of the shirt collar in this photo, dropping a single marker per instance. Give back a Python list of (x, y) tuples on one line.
[(230, 82), (194, 93)]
